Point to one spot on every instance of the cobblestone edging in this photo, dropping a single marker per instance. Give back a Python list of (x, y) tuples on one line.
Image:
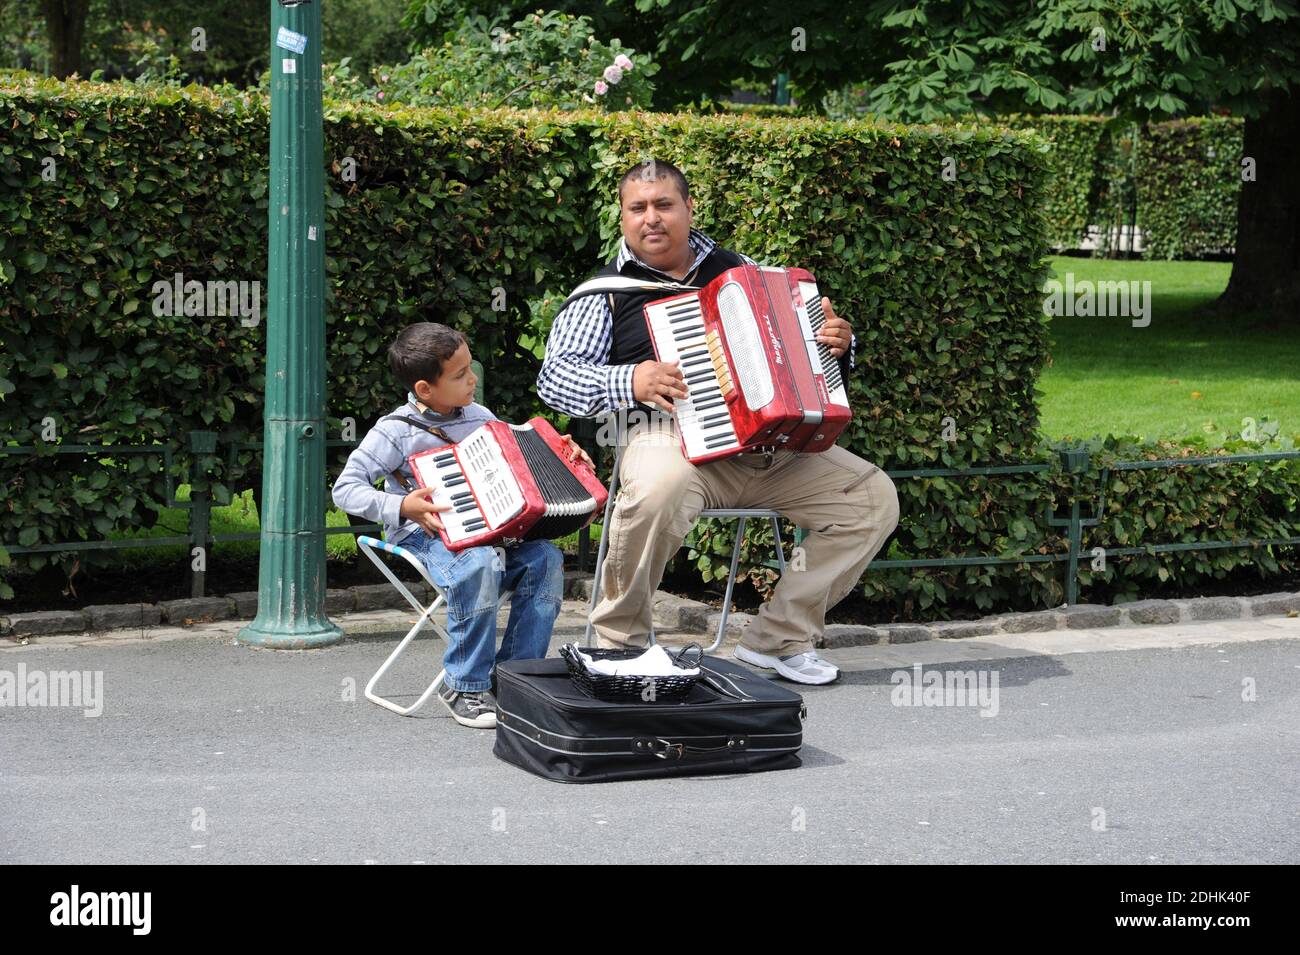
[(672, 613), (197, 610)]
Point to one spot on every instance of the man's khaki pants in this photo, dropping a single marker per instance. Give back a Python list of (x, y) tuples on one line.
[(848, 505)]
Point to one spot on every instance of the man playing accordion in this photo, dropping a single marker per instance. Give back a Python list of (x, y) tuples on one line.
[(600, 359)]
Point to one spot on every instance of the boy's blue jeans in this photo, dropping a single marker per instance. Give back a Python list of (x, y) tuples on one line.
[(473, 580)]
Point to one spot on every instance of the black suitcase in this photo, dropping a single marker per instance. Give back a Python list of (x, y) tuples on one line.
[(733, 721)]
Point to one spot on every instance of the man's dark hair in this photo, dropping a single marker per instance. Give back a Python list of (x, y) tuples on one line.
[(420, 350), (652, 169)]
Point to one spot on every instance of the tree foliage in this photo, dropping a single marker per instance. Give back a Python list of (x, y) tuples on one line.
[(1140, 58)]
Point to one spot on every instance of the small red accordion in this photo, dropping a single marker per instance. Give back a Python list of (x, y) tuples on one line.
[(508, 483)]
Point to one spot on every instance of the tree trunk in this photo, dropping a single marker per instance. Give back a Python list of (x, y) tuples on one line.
[(65, 22), (1266, 267)]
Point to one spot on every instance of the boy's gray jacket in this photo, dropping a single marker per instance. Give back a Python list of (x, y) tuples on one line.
[(385, 449)]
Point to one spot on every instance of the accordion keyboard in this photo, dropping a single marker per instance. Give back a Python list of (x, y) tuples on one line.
[(829, 365), (703, 420), (499, 498)]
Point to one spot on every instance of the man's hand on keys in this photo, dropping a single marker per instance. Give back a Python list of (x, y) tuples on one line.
[(835, 333), (658, 382)]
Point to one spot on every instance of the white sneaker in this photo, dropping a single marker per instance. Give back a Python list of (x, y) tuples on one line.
[(806, 667)]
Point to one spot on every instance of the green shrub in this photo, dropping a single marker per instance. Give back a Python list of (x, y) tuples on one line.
[(149, 182), (1188, 178), (543, 60), (1073, 170), (1004, 516), (1179, 180)]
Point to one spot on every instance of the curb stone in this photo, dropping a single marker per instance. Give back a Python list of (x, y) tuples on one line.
[(960, 629), (905, 632), (1089, 616), (197, 609), (122, 616), (840, 635), (1152, 611), (339, 601), (577, 585), (245, 604), (1213, 608), (380, 596), (46, 622), (1269, 604), (1032, 622), (671, 612), (736, 623)]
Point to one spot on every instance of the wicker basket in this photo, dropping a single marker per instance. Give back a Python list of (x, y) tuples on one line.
[(644, 689)]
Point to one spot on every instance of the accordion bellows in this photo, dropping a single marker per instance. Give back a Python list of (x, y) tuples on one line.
[(754, 369), (507, 483)]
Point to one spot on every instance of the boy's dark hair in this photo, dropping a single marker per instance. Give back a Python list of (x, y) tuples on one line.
[(652, 169), (420, 350)]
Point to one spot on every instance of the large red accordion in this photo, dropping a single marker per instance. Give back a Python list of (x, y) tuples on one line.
[(507, 483), (754, 369)]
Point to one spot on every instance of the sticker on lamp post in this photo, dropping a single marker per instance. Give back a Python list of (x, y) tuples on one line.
[(287, 39)]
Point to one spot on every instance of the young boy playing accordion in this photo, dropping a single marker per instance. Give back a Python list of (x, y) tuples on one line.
[(433, 362)]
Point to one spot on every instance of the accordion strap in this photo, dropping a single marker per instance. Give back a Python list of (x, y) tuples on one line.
[(621, 283), (397, 474)]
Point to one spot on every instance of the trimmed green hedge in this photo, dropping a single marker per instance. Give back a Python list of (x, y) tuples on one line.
[(1183, 181), (740, 178), (1073, 170), (1188, 180), (1003, 516), (153, 182), (940, 279)]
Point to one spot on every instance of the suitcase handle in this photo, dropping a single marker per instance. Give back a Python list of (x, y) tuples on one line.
[(668, 750)]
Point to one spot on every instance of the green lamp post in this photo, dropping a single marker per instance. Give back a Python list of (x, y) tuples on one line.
[(291, 574)]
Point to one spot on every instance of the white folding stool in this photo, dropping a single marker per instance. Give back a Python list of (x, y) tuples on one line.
[(369, 546)]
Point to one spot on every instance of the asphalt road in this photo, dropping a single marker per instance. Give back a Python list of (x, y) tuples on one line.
[(207, 752)]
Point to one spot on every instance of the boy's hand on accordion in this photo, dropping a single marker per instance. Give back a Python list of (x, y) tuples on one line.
[(576, 453), (835, 333), (417, 507), (658, 382)]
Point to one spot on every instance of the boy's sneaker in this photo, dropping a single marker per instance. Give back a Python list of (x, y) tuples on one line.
[(478, 710), (806, 667)]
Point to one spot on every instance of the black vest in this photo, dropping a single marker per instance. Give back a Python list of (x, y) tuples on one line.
[(631, 335)]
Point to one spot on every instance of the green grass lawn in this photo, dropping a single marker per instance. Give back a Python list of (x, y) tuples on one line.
[(1180, 375), (240, 516)]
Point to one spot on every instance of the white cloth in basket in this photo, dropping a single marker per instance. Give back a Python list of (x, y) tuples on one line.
[(654, 662)]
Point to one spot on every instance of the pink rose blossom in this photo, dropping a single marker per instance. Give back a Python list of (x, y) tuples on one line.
[(623, 63), (601, 88), (613, 74)]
